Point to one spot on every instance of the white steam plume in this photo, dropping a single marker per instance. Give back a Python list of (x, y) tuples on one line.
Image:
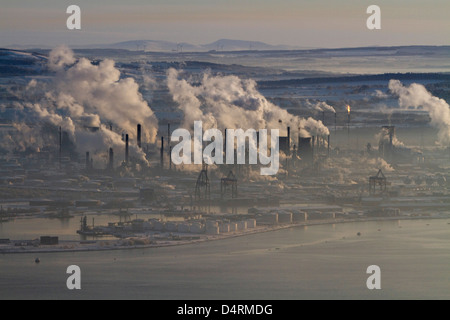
[(383, 136), (85, 89), (84, 95), (321, 106), (417, 96), (230, 102), (60, 57)]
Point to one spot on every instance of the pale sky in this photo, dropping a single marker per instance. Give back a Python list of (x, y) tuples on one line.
[(306, 23)]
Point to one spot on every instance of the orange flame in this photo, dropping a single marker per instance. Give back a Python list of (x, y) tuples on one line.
[(349, 109)]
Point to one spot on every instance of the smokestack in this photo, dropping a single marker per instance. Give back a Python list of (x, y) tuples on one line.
[(126, 148), (391, 136), (289, 138), (88, 162), (328, 145), (313, 147), (139, 135), (170, 158), (111, 159), (335, 123), (169, 144), (305, 149), (60, 146), (162, 152)]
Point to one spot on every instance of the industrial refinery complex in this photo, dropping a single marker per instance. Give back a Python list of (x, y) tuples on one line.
[(107, 166), (162, 204)]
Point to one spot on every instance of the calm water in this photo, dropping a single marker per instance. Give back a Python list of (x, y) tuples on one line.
[(324, 262)]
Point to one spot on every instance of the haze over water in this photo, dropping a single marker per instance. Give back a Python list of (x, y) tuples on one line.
[(317, 262)]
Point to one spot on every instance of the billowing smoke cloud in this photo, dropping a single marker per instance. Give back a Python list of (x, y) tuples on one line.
[(379, 163), (417, 96), (21, 139), (88, 90), (321, 106), (59, 58), (96, 142), (229, 103), (86, 95), (380, 94), (383, 136)]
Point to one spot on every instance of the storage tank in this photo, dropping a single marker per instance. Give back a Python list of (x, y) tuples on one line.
[(328, 215), (316, 215), (171, 226), (242, 225), (184, 227), (151, 223), (268, 218), (251, 223), (158, 225), (224, 228), (233, 226), (197, 227), (299, 216), (147, 225), (284, 217), (212, 230), (211, 223)]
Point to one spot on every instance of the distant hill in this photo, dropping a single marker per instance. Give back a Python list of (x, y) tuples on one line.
[(166, 46), (21, 63), (150, 45), (242, 45)]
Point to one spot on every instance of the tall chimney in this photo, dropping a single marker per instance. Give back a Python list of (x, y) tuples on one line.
[(111, 159), (169, 144), (335, 122), (170, 158), (162, 152), (329, 145), (60, 146), (289, 137), (169, 139), (391, 136), (313, 146), (139, 135), (126, 148)]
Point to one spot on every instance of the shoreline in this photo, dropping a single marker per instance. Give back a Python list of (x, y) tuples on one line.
[(99, 244)]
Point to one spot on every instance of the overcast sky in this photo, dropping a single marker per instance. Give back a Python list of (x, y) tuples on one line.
[(306, 23)]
